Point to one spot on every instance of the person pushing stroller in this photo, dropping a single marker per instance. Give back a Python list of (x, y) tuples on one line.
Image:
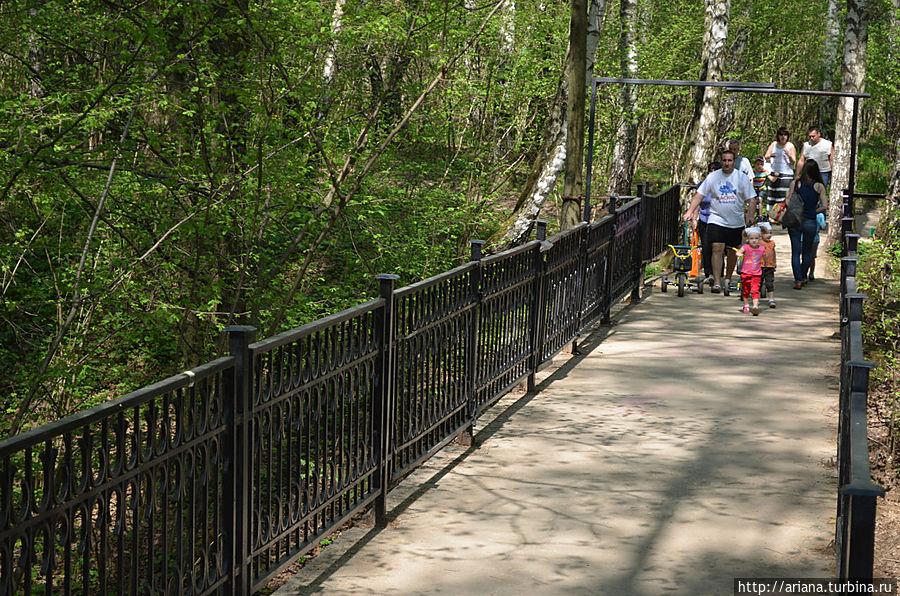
[(729, 190)]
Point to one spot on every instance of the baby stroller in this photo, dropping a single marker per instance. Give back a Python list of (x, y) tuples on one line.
[(685, 264)]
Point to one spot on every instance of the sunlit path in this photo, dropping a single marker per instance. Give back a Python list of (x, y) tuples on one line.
[(689, 444)]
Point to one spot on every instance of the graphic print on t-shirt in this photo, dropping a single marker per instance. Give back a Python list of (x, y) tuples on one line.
[(727, 193)]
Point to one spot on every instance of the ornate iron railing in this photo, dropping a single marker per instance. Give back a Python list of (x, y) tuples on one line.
[(128, 497), (857, 494), (216, 479)]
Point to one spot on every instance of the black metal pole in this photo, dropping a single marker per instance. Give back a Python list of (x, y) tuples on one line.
[(237, 502), (851, 183), (382, 410), (473, 331), (537, 305), (590, 158)]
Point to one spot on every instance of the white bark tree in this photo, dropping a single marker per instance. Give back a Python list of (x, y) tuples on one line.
[(595, 18), (736, 61), (35, 60), (856, 34), (702, 143), (893, 191), (328, 69), (830, 64), (551, 157), (622, 168), (508, 27)]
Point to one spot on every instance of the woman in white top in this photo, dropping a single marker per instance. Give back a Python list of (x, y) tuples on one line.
[(783, 155)]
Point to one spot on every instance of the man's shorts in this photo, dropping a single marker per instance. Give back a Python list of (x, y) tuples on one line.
[(730, 236)]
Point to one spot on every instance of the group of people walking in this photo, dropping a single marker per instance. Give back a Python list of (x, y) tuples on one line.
[(735, 199)]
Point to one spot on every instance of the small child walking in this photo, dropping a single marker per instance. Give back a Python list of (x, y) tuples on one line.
[(768, 261), (761, 171), (751, 269)]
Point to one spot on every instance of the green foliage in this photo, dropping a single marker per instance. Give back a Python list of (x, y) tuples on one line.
[(873, 166), (879, 260), (249, 188)]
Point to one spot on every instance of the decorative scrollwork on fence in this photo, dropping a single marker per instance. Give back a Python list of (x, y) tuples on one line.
[(311, 427), (126, 497)]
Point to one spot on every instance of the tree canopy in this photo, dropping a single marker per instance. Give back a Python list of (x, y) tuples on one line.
[(168, 168)]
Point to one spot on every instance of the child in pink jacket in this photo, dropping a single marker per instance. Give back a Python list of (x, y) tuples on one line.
[(751, 269)]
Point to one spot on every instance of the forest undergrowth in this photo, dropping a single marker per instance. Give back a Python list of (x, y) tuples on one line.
[(879, 259)]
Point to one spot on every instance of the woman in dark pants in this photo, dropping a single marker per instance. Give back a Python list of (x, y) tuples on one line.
[(810, 189)]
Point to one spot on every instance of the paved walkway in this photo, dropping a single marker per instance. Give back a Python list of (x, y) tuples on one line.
[(688, 445)]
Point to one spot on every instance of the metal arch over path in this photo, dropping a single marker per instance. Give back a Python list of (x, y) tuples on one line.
[(732, 86)]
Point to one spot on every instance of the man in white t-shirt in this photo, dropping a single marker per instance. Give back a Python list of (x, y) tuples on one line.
[(729, 190), (818, 149)]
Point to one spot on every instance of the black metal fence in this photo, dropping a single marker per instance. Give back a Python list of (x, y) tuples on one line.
[(214, 480), (857, 494)]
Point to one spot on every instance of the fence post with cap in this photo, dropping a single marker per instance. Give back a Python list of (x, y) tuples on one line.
[(535, 323), (237, 405), (385, 383), (472, 332)]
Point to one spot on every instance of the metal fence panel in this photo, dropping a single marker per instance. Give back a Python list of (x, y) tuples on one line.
[(312, 435), (504, 334), (596, 301), (625, 263), (560, 318), (219, 478), (123, 498), (434, 326)]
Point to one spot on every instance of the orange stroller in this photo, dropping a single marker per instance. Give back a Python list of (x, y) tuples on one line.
[(686, 264)]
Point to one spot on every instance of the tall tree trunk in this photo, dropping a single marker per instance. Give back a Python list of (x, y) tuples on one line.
[(622, 169), (702, 143), (891, 118), (575, 77), (856, 35), (328, 70), (508, 28), (35, 59), (828, 105), (735, 70), (550, 159), (541, 180), (893, 191), (595, 18)]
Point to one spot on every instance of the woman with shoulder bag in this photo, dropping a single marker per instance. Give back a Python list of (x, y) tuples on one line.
[(810, 190)]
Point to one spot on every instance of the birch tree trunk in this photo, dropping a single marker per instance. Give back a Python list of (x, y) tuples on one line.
[(35, 60), (575, 77), (595, 18), (541, 179), (893, 192), (550, 159), (830, 48), (703, 131), (508, 28), (736, 68), (891, 116), (856, 34), (622, 169), (328, 70)]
